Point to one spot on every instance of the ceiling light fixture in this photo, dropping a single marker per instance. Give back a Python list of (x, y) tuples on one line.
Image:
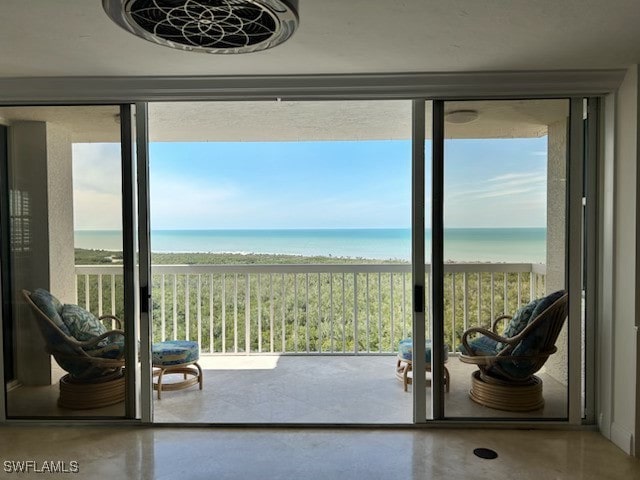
[(211, 26), (461, 116)]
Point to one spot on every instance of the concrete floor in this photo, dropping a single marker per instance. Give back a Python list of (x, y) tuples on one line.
[(330, 389), (295, 389), (168, 453)]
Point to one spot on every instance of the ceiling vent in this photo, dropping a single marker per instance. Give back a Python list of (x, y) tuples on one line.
[(212, 26)]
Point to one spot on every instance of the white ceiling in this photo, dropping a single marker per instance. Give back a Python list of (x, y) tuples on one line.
[(76, 38)]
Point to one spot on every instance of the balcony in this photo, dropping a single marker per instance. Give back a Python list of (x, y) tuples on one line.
[(306, 343)]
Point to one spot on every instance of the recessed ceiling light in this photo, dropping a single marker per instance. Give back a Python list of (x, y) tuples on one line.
[(211, 26), (461, 116)]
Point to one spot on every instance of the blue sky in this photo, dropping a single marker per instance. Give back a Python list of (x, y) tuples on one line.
[(347, 184)]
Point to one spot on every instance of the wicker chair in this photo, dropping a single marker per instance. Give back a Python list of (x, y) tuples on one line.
[(95, 377), (507, 365)]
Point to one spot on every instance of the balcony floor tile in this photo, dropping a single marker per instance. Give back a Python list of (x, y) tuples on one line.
[(323, 389), (295, 389)]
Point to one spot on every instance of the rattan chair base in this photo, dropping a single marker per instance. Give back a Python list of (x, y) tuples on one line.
[(512, 398), (79, 395)]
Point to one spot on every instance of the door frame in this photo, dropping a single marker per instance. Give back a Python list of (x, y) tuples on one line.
[(573, 263), (486, 86)]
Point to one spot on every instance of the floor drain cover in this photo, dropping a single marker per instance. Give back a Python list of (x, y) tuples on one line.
[(486, 453)]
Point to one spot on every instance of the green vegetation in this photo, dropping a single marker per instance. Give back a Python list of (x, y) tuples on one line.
[(96, 257), (304, 312), (254, 259)]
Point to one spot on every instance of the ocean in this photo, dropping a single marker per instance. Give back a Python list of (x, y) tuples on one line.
[(527, 245)]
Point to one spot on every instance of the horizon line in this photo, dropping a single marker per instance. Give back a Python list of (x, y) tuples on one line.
[(303, 228)]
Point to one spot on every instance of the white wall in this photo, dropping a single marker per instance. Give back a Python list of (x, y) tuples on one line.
[(623, 348)]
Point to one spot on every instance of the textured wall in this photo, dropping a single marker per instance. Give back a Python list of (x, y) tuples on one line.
[(60, 201), (557, 365)]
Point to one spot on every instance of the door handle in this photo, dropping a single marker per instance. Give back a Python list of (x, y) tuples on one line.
[(145, 299), (418, 299)]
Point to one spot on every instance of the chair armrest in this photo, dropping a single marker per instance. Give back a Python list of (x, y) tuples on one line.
[(94, 342), (494, 325), (112, 317), (80, 347)]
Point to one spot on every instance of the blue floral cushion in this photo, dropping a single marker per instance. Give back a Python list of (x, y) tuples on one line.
[(519, 321), (533, 342), (481, 345), (546, 302), (50, 306), (174, 352), (405, 350), (82, 324)]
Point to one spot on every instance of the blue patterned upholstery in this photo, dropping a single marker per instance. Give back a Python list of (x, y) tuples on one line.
[(519, 321), (532, 344), (174, 352), (82, 325), (50, 306), (405, 350), (481, 345)]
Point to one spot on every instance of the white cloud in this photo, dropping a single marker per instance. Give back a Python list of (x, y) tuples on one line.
[(517, 176), (511, 199), (97, 211), (97, 197), (508, 192), (96, 167), (500, 186)]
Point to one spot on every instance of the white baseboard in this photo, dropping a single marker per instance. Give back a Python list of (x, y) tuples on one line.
[(623, 438)]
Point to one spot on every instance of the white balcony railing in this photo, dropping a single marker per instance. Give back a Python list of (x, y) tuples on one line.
[(311, 309)]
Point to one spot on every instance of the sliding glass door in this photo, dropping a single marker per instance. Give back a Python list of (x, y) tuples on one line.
[(492, 240), (69, 322), (281, 252), (308, 258), (505, 224)]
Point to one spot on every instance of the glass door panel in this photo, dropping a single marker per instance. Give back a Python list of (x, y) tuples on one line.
[(65, 248), (281, 246), (505, 217)]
